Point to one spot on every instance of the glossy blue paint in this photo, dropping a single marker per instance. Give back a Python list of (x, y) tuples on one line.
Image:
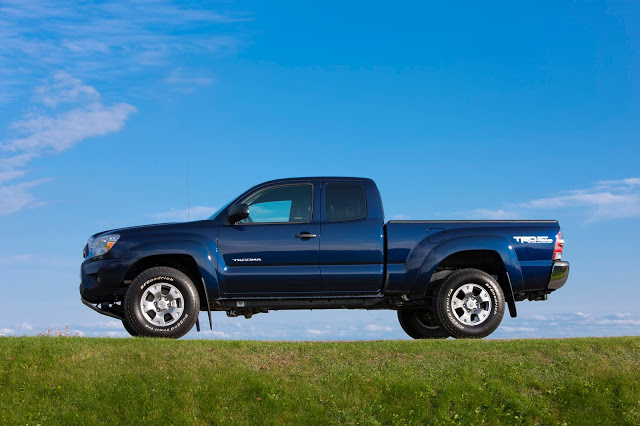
[(256, 257), (264, 258), (345, 258), (352, 252), (410, 243), (194, 249)]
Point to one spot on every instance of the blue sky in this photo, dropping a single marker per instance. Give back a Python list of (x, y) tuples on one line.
[(461, 110)]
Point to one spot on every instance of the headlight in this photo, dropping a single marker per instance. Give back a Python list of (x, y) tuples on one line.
[(102, 244)]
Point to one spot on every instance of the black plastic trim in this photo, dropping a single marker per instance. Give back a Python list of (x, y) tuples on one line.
[(473, 221)]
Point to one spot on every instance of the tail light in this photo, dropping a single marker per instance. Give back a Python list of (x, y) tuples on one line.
[(557, 250)]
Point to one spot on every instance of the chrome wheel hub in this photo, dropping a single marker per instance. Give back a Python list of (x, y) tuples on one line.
[(471, 304), (162, 304)]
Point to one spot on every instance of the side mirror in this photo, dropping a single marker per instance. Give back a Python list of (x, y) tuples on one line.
[(237, 213)]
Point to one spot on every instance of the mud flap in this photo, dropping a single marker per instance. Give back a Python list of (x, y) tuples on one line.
[(508, 295)]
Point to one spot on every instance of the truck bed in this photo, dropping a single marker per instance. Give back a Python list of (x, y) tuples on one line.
[(409, 242)]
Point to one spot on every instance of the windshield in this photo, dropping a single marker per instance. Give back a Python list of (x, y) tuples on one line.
[(213, 216)]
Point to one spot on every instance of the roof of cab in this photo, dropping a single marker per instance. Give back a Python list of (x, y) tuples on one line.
[(318, 178)]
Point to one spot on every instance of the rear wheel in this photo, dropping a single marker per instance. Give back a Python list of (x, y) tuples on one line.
[(421, 324), (161, 302), (469, 304)]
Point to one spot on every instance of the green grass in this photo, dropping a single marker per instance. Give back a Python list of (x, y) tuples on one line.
[(57, 380)]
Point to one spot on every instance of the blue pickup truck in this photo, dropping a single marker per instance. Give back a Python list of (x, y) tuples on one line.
[(321, 243)]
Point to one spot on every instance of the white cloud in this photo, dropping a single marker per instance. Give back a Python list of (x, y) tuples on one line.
[(606, 200), (186, 83), (104, 39), (46, 134), (16, 197), (104, 325), (100, 42), (180, 215), (628, 182), (377, 328), (355, 325), (518, 329), (17, 258), (570, 324), (11, 175), (488, 214), (10, 163), (65, 89), (214, 333), (49, 132)]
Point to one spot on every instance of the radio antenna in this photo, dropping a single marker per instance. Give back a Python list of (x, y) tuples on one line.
[(188, 218)]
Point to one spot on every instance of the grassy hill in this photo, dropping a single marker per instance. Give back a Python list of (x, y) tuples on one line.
[(70, 380)]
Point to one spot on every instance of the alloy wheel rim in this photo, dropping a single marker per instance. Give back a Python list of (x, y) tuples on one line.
[(162, 304), (471, 304), (426, 320)]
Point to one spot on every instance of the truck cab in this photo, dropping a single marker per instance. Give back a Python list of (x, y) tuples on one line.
[(304, 236)]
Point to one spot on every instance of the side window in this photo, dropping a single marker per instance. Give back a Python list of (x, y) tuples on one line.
[(282, 204), (345, 201)]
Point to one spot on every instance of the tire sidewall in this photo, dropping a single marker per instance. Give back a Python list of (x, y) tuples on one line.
[(416, 328), (446, 315), (148, 278), (132, 331)]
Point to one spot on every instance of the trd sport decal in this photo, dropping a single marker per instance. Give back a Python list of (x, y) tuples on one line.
[(534, 240)]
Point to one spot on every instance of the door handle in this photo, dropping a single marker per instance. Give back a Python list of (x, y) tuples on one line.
[(304, 235)]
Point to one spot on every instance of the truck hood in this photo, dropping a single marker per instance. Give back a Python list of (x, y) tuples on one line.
[(159, 227)]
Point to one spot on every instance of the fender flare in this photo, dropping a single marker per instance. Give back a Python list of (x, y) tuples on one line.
[(478, 242), (194, 249)]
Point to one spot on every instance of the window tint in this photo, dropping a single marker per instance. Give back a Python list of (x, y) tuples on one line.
[(345, 201), (290, 203)]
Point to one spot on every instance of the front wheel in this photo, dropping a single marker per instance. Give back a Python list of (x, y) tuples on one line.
[(132, 331), (469, 304), (161, 302), (420, 324)]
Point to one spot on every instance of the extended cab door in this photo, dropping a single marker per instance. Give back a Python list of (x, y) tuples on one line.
[(351, 249), (276, 249)]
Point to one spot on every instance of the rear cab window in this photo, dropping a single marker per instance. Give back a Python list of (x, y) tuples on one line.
[(345, 201)]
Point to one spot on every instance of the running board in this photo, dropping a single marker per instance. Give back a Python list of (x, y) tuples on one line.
[(249, 304)]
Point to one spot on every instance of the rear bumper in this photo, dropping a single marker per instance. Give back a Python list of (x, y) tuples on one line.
[(559, 275)]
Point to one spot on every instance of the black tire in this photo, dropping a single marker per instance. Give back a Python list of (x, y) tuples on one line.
[(420, 324), (130, 329), (479, 300), (172, 301)]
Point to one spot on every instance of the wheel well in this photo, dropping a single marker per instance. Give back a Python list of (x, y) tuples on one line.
[(182, 262), (488, 261)]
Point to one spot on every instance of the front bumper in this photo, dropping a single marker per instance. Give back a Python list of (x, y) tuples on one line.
[(559, 275), (100, 279)]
